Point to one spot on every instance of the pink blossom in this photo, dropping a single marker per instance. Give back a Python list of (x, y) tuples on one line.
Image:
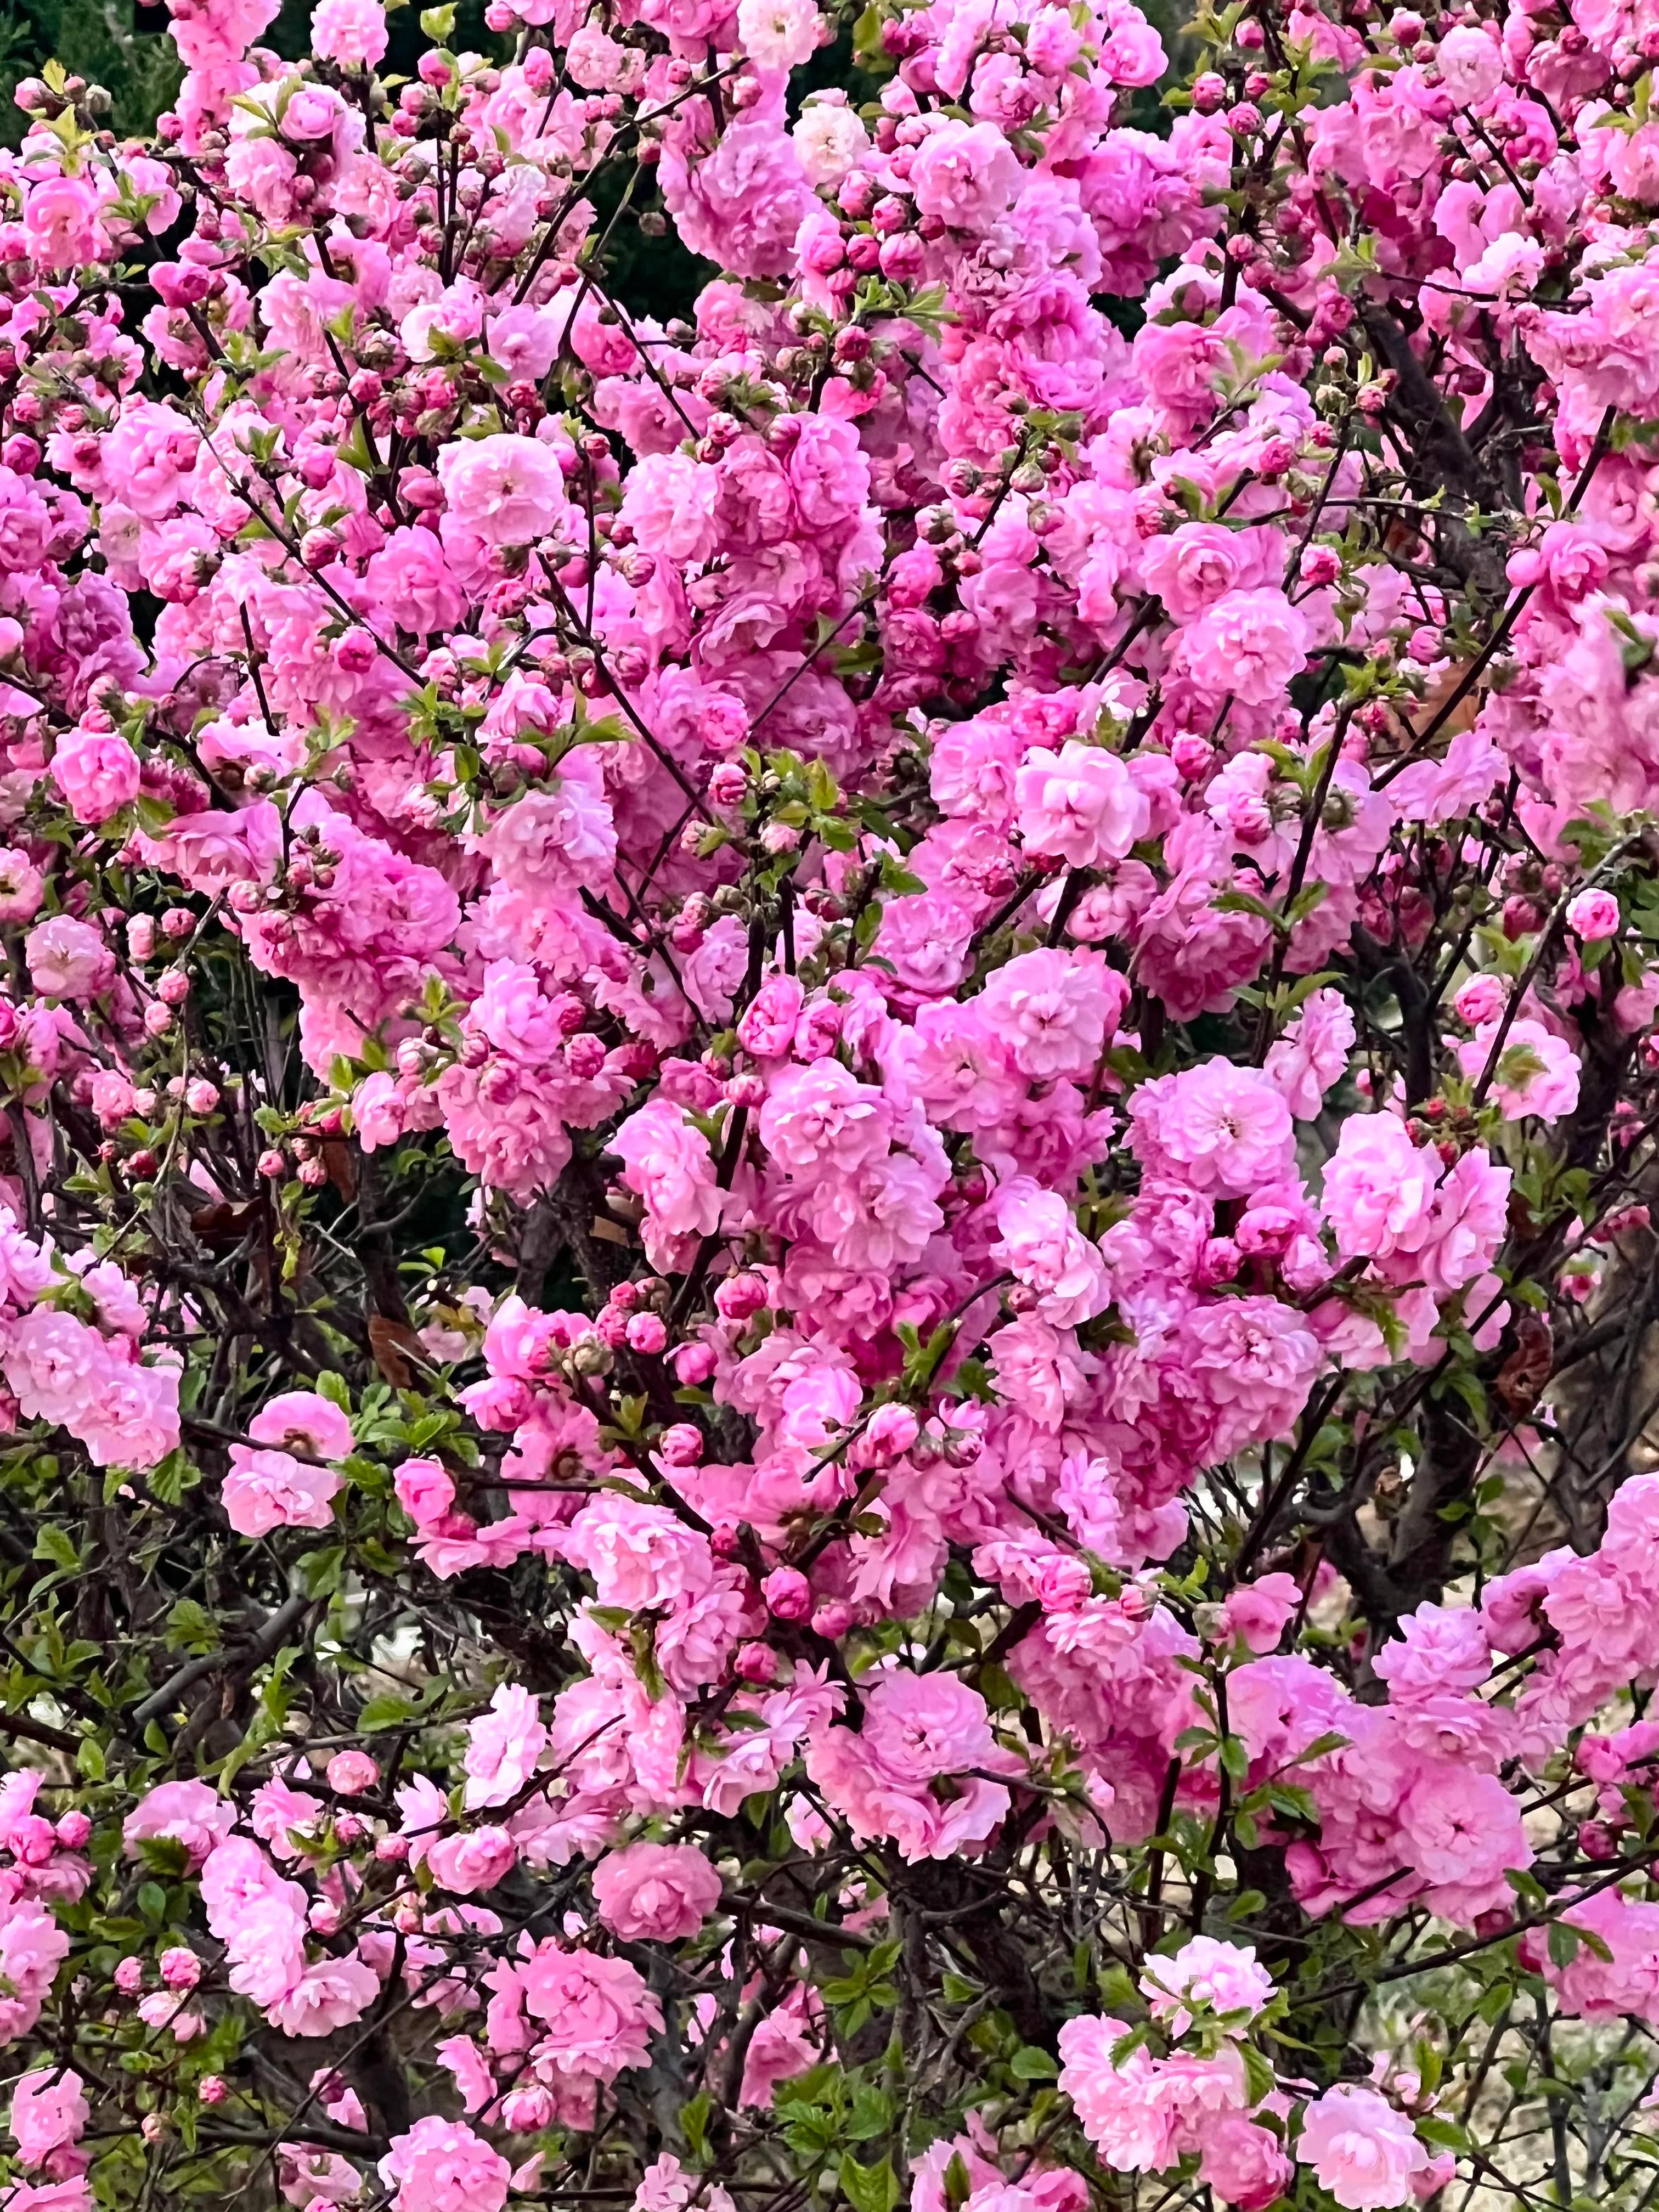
[(97, 773), (67, 959), (49, 2109), (1041, 1246), (440, 2165), (964, 173), (1205, 1975), (267, 1489), (1248, 645), (1243, 2162), (1360, 2148), (598, 2015), (503, 1746), (353, 32), (1257, 1611), (1313, 1054), (655, 1892), (1080, 804), (1220, 1130), (507, 491), (1537, 1072), (192, 1813)]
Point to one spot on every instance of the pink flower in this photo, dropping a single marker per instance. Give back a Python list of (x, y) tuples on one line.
[(1313, 1053), (1219, 1130), (424, 1489), (1249, 645), (598, 2016), (440, 2165), (49, 2109), (73, 2195), (1243, 2163), (303, 1421), (1471, 65), (778, 34), (267, 1489), (667, 1160), (330, 1994), (351, 1772), (1257, 1612), (767, 1029), (670, 505), (655, 1892), (59, 224), (97, 773), (1055, 1011), (821, 1120), (476, 1859), (1222, 1979), (21, 886), (1537, 1072), (1081, 804), (639, 1556), (69, 959), (1201, 562), (189, 1813), (506, 489), (503, 1746), (1593, 916), (1378, 1187), (1439, 1648), (1252, 1361), (964, 173), (917, 1729), (1133, 2131), (1360, 2148), (351, 32), (1041, 1246)]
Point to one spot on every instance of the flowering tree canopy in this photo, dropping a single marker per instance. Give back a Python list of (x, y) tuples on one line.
[(828, 1328)]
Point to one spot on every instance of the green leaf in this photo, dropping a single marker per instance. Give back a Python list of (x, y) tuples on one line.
[(1029, 2063), (388, 1710), (868, 2188), (53, 1544), (694, 2121)]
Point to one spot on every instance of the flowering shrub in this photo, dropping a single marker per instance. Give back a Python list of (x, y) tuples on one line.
[(826, 1301)]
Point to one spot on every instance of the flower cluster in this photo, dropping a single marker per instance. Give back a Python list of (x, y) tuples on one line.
[(829, 1095)]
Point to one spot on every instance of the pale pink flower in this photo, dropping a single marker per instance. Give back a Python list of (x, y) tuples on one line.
[(506, 489), (503, 1746), (1360, 2148), (657, 1893)]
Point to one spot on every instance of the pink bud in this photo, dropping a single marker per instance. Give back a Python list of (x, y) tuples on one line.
[(647, 1334), (212, 2089), (681, 1445), (693, 1365), (1594, 915), (273, 1166), (757, 1663), (787, 1594), (351, 1772), (739, 1296), (180, 1968)]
